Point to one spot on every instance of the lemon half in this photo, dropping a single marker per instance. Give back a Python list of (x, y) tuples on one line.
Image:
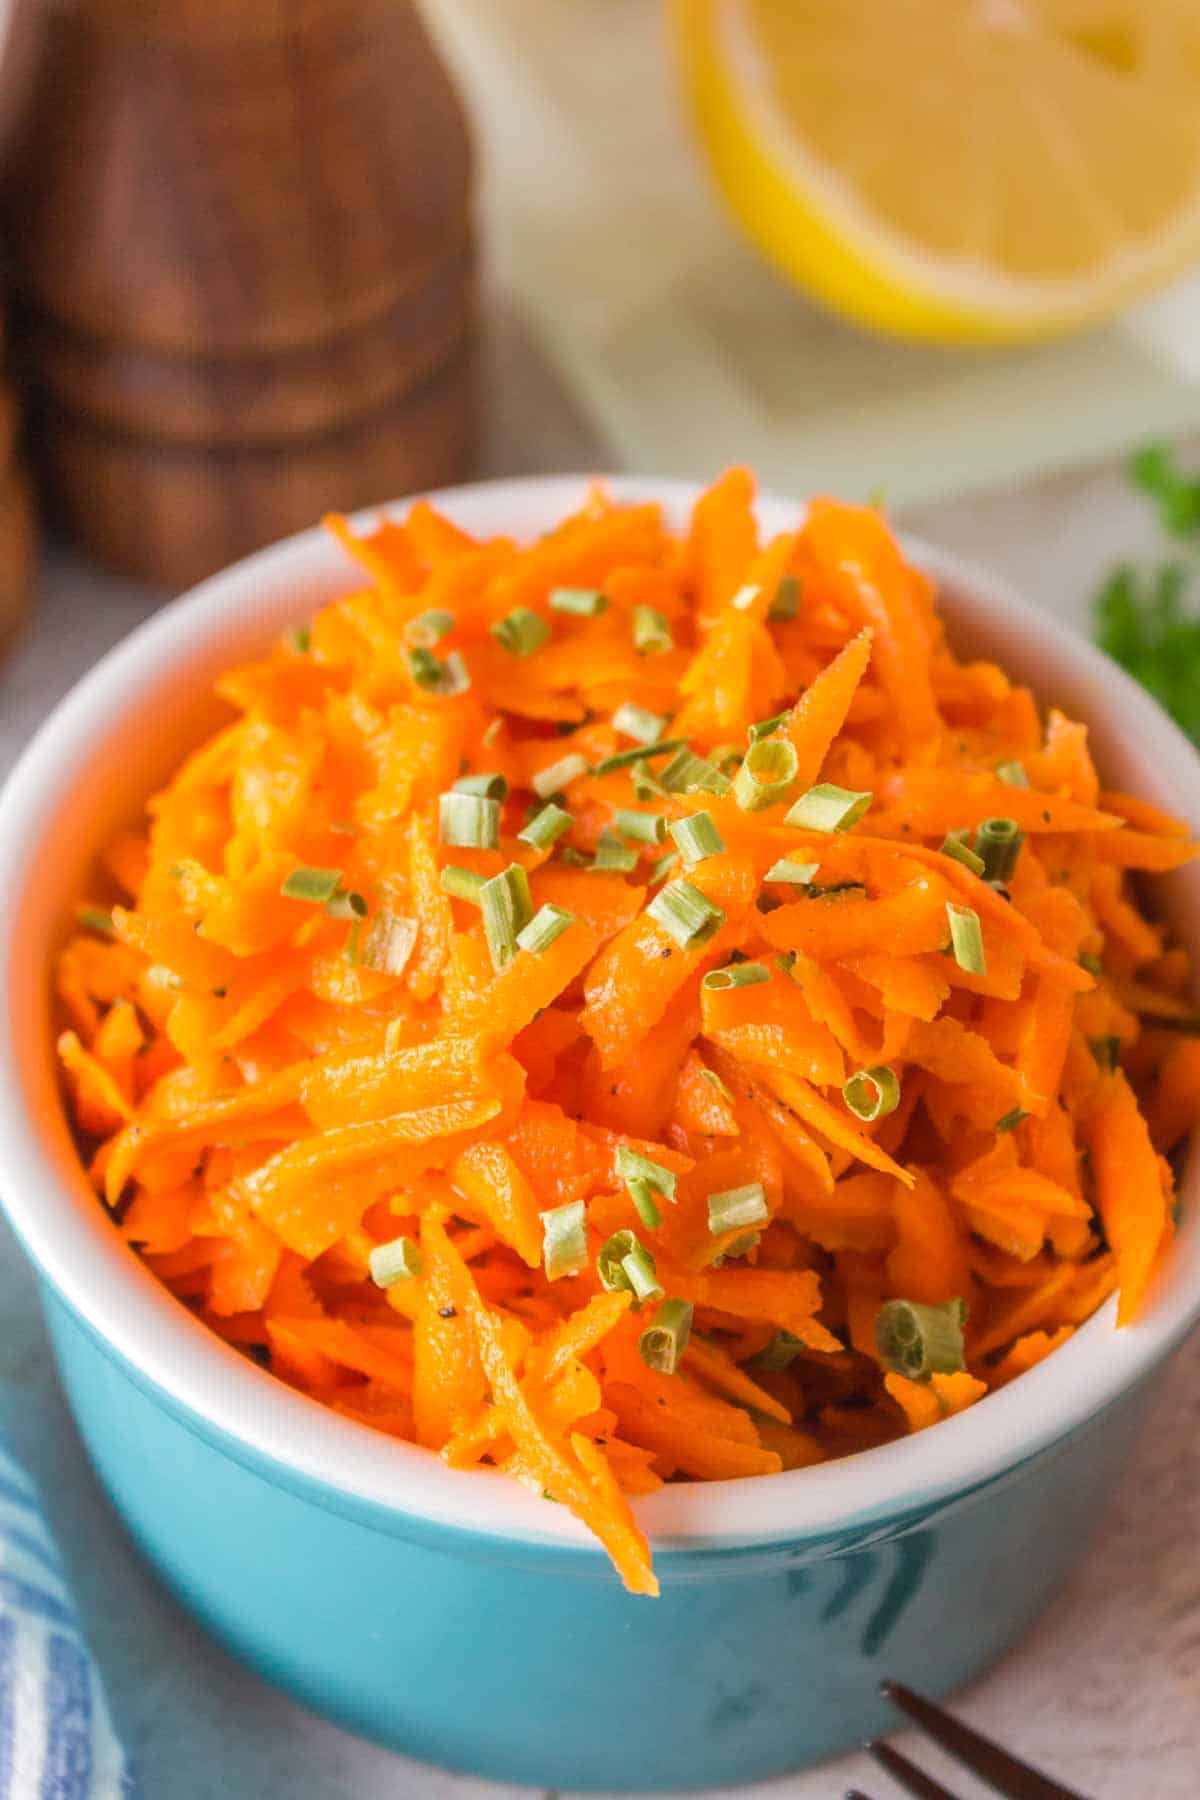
[(987, 170)]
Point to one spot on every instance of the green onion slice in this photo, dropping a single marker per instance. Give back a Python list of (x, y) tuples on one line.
[(786, 603), (1011, 1120), (299, 639), (346, 905), (737, 975), (767, 772), (1091, 963), (780, 1353), (558, 775), (687, 773), (507, 908), (564, 1240), (625, 1265), (955, 845), (611, 853), (765, 727), (662, 868), (468, 821), (872, 1093), (461, 884), (429, 628), (966, 938), (94, 918), (736, 1208), (644, 1203), (389, 943), (584, 603), (520, 632), (487, 787), (644, 828), (624, 759), (400, 1260), (797, 874), (697, 837), (643, 1178), (548, 923), (443, 678), (645, 786), (651, 631), (998, 842), (828, 808), (920, 1341), (1012, 774), (663, 1343), (636, 722), (545, 828), (315, 885), (686, 914)]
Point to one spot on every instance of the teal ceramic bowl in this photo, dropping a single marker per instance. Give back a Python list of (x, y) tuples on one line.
[(449, 1613)]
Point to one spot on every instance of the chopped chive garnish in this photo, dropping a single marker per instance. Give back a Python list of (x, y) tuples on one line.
[(828, 808), (736, 1208), (461, 884), (346, 905), (741, 1246), (738, 975), (780, 1353), (435, 676), (558, 775), (726, 757), (955, 845), (585, 603), (468, 821), (400, 1260), (548, 922), (389, 943), (872, 1093), (966, 938), (639, 1270), (920, 1341), (697, 837), (520, 632), (612, 854), (299, 639), (1107, 1052), (746, 596), (507, 908), (564, 1240), (644, 1203), (625, 759), (315, 885), (429, 628), (545, 828), (487, 787), (765, 727), (94, 918), (651, 631), (786, 603), (797, 874), (645, 787), (1012, 774), (644, 828), (575, 858), (662, 868), (998, 842), (625, 1265), (636, 722), (686, 914), (663, 1343), (643, 1178), (1091, 963), (1011, 1120), (767, 772), (687, 773)]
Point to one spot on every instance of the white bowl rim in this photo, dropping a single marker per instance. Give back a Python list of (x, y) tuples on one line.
[(70, 1240)]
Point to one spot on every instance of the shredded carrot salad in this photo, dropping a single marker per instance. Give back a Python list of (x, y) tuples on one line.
[(633, 1008)]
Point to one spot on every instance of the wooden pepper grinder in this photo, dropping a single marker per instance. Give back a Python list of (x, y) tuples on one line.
[(243, 251), (16, 519)]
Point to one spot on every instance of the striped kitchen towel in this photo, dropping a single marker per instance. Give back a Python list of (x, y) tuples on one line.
[(56, 1737)]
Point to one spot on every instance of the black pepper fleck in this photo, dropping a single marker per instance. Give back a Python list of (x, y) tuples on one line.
[(447, 1312), (665, 952)]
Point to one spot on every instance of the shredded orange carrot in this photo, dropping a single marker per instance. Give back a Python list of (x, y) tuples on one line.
[(436, 1099)]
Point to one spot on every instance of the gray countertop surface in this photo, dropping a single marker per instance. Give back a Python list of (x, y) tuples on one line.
[(1105, 1690)]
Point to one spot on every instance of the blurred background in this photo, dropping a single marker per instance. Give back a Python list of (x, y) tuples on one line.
[(261, 259)]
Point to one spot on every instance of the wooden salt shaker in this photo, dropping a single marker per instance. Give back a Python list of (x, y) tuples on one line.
[(244, 256)]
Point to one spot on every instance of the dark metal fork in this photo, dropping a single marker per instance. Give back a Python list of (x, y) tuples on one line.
[(1001, 1771)]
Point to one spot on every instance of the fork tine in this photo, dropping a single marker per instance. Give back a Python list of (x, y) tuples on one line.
[(1005, 1773), (907, 1775)]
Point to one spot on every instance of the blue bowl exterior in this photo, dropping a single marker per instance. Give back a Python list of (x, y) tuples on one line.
[(527, 1662)]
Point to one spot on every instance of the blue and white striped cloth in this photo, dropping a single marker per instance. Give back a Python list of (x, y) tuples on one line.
[(56, 1736)]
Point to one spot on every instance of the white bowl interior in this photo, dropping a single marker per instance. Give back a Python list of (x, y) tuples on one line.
[(118, 736)]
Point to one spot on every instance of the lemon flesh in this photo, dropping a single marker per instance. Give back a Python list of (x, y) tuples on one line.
[(987, 170)]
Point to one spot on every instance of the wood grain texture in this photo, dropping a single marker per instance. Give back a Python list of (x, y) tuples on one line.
[(243, 252)]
